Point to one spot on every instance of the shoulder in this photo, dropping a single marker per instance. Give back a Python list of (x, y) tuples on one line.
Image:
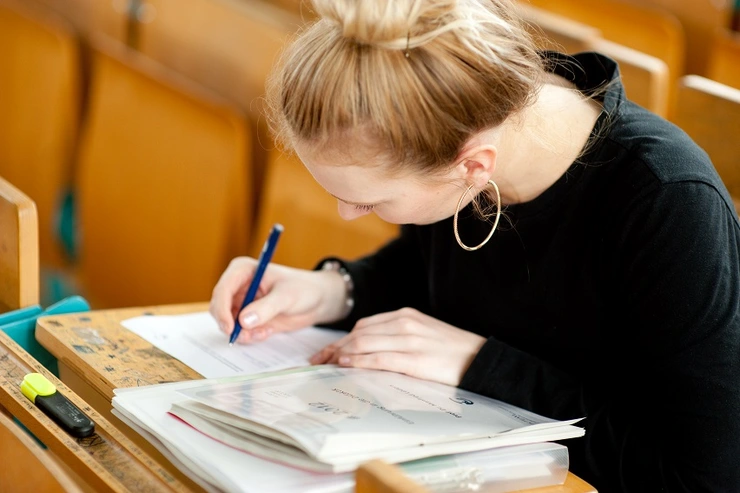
[(652, 157)]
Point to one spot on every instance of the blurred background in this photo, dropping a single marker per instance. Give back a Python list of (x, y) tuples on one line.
[(136, 126)]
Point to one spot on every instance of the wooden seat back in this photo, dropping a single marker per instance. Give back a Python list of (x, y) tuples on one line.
[(40, 90), (556, 32), (377, 476), (700, 20), (163, 187), (710, 113), (19, 254), (646, 79), (27, 466), (649, 30), (229, 46), (724, 58)]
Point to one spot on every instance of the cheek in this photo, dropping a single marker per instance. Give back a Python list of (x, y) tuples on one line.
[(427, 211)]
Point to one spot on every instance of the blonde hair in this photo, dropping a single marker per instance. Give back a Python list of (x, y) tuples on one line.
[(421, 76)]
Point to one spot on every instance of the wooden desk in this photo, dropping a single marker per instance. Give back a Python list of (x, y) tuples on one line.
[(97, 354), (106, 461)]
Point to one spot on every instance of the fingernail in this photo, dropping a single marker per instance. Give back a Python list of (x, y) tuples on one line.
[(344, 360), (249, 320)]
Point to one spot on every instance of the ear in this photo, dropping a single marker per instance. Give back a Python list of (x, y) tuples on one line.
[(477, 165)]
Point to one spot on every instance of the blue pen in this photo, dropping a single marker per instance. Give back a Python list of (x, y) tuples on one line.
[(264, 259)]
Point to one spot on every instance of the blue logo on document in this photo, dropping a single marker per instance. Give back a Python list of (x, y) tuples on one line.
[(462, 400)]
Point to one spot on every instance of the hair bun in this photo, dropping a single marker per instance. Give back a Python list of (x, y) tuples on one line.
[(385, 23)]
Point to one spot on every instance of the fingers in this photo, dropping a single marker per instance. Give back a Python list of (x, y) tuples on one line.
[(404, 316), (389, 361), (228, 292), (257, 334)]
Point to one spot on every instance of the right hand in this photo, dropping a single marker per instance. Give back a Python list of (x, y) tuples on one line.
[(287, 299)]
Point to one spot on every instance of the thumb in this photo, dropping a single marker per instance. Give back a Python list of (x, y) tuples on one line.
[(262, 311)]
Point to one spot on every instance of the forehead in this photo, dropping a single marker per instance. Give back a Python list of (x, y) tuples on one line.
[(360, 154), (338, 171)]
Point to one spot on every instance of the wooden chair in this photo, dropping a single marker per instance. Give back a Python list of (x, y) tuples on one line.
[(377, 476), (313, 227), (556, 32), (300, 8), (649, 30), (27, 466), (19, 250), (105, 462), (229, 46), (646, 79), (700, 20), (710, 113), (40, 84), (163, 184), (89, 17), (724, 58)]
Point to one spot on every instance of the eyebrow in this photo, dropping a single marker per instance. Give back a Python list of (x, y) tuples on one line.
[(348, 202)]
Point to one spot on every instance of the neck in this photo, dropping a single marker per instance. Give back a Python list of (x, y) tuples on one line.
[(539, 146)]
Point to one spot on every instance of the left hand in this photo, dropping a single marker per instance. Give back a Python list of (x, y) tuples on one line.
[(406, 341)]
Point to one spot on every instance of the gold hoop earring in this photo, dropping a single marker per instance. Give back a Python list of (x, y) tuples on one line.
[(495, 222)]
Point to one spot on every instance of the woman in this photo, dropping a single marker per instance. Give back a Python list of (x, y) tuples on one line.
[(562, 249)]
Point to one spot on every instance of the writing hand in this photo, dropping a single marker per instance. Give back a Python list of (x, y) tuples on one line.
[(288, 299), (406, 341)]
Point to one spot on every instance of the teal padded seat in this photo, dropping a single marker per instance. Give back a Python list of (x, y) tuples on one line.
[(20, 325)]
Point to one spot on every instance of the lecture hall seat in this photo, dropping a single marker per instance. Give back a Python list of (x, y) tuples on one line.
[(645, 77), (377, 476), (724, 58), (19, 254), (556, 32), (229, 46), (40, 100), (700, 19), (649, 30), (163, 184), (27, 466), (710, 113)]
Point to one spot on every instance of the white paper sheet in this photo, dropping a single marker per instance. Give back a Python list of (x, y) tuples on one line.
[(195, 340), (495, 471), (229, 469)]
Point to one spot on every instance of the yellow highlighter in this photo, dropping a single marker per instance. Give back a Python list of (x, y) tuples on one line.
[(45, 395)]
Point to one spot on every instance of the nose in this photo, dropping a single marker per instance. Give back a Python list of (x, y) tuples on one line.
[(349, 212)]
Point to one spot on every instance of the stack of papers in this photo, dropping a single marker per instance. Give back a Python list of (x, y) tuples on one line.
[(308, 429)]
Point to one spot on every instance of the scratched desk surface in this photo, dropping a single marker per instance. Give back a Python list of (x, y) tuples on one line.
[(107, 461), (106, 356)]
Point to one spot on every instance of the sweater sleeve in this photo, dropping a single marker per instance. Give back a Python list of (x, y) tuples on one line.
[(391, 278), (666, 415)]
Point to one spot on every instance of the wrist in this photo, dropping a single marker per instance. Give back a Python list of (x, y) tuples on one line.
[(339, 300)]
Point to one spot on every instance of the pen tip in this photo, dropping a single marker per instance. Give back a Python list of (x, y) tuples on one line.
[(231, 344)]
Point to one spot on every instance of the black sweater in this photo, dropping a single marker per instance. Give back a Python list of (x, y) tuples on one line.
[(613, 295)]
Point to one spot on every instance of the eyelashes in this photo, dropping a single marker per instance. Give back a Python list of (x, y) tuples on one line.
[(364, 208)]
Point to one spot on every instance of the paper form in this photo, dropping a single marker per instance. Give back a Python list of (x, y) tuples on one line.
[(227, 469), (230, 470), (195, 340)]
